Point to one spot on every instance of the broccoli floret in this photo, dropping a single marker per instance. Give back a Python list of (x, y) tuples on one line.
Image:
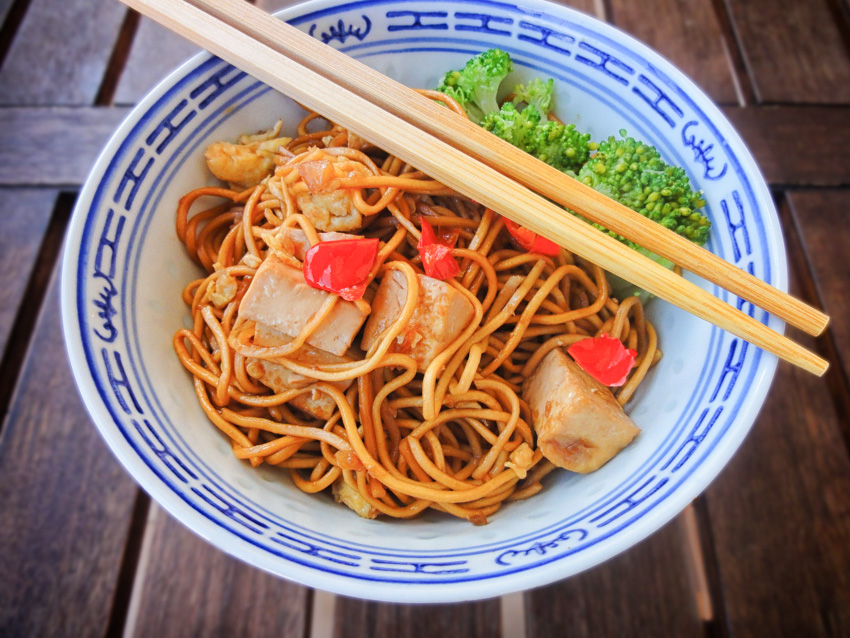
[(626, 170), (559, 145), (476, 84), (513, 125), (536, 92), (634, 174)]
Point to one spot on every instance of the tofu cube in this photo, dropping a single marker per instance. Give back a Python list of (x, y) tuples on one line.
[(441, 315), (347, 495), (580, 426), (280, 297), (281, 379)]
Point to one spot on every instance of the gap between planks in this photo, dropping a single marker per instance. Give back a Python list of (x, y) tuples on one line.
[(696, 564), (18, 344), (11, 21), (512, 606), (800, 260), (118, 59), (323, 615), (731, 45), (143, 559), (127, 573), (600, 8)]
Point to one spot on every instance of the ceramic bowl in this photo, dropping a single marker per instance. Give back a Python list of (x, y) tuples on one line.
[(124, 270)]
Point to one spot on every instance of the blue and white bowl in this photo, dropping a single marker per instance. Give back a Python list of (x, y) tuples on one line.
[(124, 270)]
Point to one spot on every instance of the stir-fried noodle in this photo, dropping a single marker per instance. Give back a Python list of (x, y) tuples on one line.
[(395, 437)]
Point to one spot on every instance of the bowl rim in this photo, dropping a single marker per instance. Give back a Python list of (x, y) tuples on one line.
[(662, 513)]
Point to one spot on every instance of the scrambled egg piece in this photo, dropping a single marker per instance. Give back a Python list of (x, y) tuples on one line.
[(248, 162), (328, 207)]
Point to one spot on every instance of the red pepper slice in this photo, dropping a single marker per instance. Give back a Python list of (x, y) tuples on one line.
[(341, 266), (530, 240), (436, 255), (604, 358)]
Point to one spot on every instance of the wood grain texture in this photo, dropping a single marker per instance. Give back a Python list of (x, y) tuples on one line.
[(822, 216), (780, 522), (357, 618), (779, 514), (645, 591), (795, 51), (687, 32), (24, 215), (65, 500), (69, 42), (155, 52), (53, 146), (797, 146), (187, 587)]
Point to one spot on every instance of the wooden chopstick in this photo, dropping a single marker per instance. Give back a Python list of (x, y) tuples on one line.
[(217, 31), (540, 177)]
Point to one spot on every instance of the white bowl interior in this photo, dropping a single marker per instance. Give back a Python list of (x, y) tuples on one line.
[(694, 410)]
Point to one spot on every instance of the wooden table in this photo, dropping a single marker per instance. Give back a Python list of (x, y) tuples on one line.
[(84, 552)]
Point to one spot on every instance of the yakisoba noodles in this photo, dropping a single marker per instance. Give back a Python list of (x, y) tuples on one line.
[(389, 429)]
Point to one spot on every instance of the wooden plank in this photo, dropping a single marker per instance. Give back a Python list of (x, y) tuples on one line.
[(155, 52), (795, 51), (357, 618), (688, 33), (186, 587), (801, 146), (24, 215), (53, 146), (69, 42), (797, 146), (779, 511), (645, 591), (590, 7), (779, 518), (66, 501), (821, 216)]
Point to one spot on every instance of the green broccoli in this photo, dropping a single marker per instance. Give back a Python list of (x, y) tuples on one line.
[(626, 170), (559, 145), (513, 125), (536, 92), (475, 86), (634, 174)]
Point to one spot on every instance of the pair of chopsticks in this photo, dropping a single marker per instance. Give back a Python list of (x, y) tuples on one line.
[(476, 163)]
